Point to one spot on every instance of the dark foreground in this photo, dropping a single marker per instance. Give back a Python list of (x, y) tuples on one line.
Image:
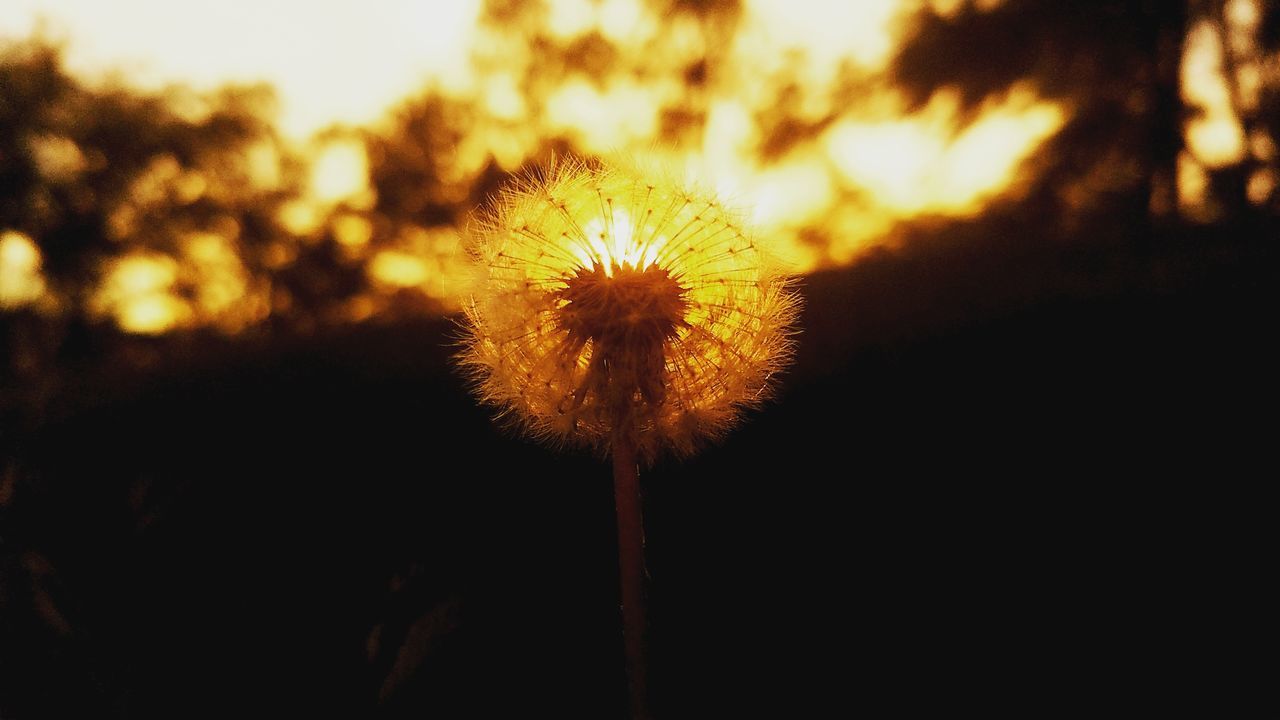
[(996, 480)]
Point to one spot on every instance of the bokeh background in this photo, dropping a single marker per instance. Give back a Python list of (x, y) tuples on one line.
[(238, 473)]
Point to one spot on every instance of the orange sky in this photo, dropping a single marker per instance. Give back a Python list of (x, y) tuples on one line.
[(330, 61)]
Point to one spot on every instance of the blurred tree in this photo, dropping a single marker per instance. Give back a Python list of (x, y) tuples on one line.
[(77, 157), (1249, 34), (170, 210), (187, 211), (412, 165), (1114, 62)]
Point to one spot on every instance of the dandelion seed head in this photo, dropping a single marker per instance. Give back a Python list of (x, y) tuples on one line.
[(608, 299)]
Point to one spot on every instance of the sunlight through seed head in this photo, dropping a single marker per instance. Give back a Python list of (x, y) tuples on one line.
[(609, 299)]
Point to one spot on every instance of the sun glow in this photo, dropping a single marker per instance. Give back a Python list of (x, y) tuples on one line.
[(339, 171), (614, 241), (138, 293), (1215, 135), (831, 192), (331, 62), (21, 282), (928, 163)]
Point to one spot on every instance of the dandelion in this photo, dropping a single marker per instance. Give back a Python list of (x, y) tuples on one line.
[(614, 303), (617, 310)]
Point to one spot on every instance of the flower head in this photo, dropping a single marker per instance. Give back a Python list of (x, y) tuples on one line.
[(609, 300)]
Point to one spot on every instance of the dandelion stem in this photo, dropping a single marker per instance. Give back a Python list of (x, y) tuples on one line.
[(626, 489)]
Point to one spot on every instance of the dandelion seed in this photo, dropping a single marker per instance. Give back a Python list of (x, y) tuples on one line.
[(613, 302)]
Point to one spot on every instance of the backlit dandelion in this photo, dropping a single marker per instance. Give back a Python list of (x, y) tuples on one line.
[(618, 310), (614, 302)]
